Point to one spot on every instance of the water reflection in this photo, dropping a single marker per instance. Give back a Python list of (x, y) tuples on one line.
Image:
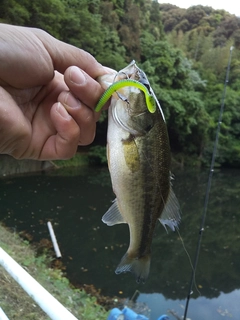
[(75, 202), (226, 305)]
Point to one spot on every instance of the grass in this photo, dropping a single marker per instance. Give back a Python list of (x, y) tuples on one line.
[(94, 155), (78, 160), (18, 305)]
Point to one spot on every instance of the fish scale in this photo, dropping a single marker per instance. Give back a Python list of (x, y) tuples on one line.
[(139, 164)]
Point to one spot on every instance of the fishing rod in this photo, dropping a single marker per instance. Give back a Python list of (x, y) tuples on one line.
[(208, 187)]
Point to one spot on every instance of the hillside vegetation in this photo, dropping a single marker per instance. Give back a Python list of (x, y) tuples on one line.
[(184, 52)]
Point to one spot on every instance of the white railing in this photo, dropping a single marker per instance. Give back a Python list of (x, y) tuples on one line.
[(3, 315), (51, 306)]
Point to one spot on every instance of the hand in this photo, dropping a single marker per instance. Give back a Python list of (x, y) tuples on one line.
[(47, 95)]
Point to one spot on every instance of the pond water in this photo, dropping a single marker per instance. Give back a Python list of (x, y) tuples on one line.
[(75, 200)]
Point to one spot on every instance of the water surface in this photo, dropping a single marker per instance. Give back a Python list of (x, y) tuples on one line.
[(75, 200)]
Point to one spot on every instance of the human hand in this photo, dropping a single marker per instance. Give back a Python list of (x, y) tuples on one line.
[(47, 95)]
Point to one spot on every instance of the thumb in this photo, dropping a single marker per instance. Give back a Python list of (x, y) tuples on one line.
[(65, 55)]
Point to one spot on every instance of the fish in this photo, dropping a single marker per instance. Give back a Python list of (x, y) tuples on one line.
[(139, 159)]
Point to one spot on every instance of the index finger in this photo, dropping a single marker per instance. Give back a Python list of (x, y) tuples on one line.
[(83, 86)]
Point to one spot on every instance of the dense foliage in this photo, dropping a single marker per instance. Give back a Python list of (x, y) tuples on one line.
[(184, 52)]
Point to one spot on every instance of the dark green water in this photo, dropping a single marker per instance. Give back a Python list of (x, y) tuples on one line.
[(76, 200)]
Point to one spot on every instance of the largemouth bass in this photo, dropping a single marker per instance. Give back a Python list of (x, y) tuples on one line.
[(139, 158)]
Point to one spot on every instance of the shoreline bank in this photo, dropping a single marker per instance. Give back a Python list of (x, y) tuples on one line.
[(18, 305)]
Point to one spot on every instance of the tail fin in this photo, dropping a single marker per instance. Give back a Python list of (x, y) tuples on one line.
[(138, 266)]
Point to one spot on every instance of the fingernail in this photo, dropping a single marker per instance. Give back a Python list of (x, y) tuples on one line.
[(62, 111), (71, 102), (77, 76)]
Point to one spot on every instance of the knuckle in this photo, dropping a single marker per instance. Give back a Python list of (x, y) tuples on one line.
[(18, 146), (87, 117)]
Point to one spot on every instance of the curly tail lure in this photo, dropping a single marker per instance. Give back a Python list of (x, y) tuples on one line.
[(150, 101)]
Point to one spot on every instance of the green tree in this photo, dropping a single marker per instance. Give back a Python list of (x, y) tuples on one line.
[(228, 26), (174, 82), (46, 15), (129, 30), (187, 72), (13, 12), (81, 27), (113, 52)]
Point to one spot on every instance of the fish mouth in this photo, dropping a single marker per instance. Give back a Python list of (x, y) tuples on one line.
[(132, 71)]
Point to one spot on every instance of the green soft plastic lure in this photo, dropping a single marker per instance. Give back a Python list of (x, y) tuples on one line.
[(150, 101)]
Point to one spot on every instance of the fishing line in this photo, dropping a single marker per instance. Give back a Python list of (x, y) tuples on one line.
[(190, 260), (208, 187)]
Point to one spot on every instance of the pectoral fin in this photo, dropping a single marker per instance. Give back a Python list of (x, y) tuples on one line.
[(113, 215), (171, 213)]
